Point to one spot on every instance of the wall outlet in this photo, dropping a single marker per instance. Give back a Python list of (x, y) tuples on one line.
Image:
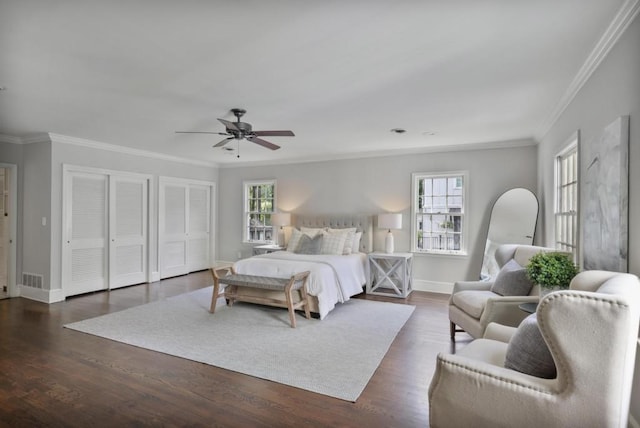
[(239, 254)]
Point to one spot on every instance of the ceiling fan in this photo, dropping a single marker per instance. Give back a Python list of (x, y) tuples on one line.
[(242, 130)]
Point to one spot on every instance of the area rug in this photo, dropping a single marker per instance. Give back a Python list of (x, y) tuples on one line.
[(336, 356)]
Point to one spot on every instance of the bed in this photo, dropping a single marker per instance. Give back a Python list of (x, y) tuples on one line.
[(334, 278)]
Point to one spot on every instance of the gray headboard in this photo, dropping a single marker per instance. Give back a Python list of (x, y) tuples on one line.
[(363, 223)]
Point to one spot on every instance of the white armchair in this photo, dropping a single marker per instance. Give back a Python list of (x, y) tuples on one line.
[(473, 304), (591, 332)]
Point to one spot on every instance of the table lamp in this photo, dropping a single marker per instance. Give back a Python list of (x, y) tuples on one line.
[(389, 221), (280, 220)]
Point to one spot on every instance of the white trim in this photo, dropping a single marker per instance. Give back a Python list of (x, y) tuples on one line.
[(40, 295), (619, 24), (12, 260), (64, 139), (245, 208), (432, 286), (10, 139), (525, 142), (465, 205)]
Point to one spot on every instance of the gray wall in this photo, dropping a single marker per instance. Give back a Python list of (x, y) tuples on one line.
[(376, 185), (36, 205), (612, 91)]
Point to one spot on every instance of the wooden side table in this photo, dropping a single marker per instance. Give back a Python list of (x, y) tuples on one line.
[(390, 274)]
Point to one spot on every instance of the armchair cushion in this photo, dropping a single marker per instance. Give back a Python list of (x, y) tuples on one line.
[(512, 280), (472, 302), (528, 353)]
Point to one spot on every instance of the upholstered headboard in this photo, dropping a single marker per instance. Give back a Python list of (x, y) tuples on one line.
[(363, 223)]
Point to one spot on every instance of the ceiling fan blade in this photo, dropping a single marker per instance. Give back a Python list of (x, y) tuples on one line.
[(229, 125), (223, 142), (274, 133), (197, 132), (263, 143)]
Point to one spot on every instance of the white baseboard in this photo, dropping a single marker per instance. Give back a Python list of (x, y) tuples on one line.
[(40, 295), (155, 277), (433, 286)]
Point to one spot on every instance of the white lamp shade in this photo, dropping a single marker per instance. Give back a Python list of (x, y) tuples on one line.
[(390, 221), (281, 219)]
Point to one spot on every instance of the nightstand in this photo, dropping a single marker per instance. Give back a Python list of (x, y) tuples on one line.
[(390, 274), (266, 249)]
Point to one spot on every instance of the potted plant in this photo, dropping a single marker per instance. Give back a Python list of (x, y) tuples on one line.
[(551, 270)]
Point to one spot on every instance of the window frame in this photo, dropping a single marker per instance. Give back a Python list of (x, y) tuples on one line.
[(415, 177), (570, 148), (246, 213)]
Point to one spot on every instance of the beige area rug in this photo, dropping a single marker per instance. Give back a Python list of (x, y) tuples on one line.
[(336, 356)]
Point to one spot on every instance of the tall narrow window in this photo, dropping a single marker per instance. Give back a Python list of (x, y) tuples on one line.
[(259, 204), (566, 209), (439, 210)]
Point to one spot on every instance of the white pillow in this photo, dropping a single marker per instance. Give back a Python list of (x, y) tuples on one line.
[(333, 243), (312, 231), (348, 243), (294, 240), (355, 247)]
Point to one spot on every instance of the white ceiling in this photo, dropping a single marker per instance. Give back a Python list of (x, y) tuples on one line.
[(340, 74)]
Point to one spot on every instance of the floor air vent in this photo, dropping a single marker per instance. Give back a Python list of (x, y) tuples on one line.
[(31, 280)]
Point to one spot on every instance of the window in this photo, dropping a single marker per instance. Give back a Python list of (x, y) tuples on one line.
[(566, 197), (259, 204), (439, 209)]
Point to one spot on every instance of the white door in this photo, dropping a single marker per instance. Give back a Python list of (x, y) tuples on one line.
[(85, 247), (127, 231), (4, 234), (174, 248), (198, 232)]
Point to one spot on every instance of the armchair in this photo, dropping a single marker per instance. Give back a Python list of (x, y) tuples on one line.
[(474, 304), (591, 333)]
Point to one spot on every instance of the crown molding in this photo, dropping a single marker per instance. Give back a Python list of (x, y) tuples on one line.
[(625, 16), (385, 153), (64, 139), (10, 139)]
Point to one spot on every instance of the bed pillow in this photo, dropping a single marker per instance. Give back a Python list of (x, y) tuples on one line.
[(309, 245), (312, 231), (355, 248), (527, 351), (294, 240), (333, 243), (348, 242), (512, 280)]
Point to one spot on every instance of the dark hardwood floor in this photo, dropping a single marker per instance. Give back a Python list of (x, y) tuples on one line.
[(56, 377)]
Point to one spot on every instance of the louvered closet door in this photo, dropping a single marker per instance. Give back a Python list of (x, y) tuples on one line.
[(128, 231), (174, 251), (198, 233), (86, 234)]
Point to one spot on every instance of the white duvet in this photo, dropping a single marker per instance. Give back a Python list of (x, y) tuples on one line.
[(332, 279)]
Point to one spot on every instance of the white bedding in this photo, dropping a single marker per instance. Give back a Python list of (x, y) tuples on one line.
[(332, 279)]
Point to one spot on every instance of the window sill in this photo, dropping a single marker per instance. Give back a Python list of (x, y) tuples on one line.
[(460, 254)]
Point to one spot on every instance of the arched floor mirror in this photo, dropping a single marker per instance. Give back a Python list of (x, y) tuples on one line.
[(513, 221)]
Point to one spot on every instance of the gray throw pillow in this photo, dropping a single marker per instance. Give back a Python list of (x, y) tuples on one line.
[(528, 353), (512, 280), (309, 245)]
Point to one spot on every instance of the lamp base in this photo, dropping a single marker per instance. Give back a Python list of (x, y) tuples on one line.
[(388, 243)]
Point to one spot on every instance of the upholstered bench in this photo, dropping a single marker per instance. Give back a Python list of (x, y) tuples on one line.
[(239, 287)]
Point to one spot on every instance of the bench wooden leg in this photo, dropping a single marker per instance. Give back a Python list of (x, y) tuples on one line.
[(292, 312), (305, 298)]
